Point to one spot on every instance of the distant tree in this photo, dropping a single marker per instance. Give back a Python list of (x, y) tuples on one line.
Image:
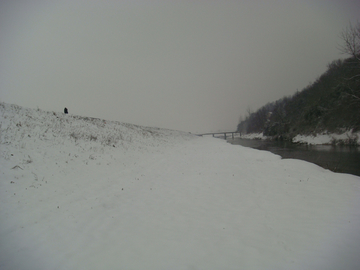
[(351, 46), (351, 40)]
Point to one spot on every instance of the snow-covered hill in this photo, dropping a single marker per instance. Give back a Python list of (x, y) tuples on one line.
[(30, 126), (85, 193)]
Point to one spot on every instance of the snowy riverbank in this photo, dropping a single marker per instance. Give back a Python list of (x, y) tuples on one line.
[(345, 138), (84, 193)]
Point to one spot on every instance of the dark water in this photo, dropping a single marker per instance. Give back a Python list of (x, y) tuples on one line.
[(344, 159)]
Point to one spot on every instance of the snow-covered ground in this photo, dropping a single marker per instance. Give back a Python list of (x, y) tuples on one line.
[(84, 193), (347, 137), (253, 136)]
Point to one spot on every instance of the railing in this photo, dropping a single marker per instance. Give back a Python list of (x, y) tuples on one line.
[(224, 133)]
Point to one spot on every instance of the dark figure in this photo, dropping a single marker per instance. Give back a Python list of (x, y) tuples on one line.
[(66, 111)]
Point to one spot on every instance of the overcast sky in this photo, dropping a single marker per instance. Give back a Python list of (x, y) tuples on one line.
[(194, 66)]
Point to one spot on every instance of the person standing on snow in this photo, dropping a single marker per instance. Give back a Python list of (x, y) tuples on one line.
[(66, 110)]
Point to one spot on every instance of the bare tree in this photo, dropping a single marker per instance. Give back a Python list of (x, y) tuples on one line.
[(351, 46), (351, 40)]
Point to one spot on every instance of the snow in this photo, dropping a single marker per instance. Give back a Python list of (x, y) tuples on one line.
[(85, 193), (347, 137), (328, 138), (253, 136)]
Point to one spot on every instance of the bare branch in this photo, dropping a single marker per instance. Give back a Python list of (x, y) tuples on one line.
[(351, 40)]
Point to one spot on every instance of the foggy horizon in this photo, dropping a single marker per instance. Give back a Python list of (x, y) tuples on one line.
[(194, 66)]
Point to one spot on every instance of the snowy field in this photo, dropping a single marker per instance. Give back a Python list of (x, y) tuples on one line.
[(85, 193)]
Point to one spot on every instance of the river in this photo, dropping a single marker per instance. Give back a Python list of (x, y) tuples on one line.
[(343, 159)]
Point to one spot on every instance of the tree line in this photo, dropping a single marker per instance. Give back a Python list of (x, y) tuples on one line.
[(331, 103)]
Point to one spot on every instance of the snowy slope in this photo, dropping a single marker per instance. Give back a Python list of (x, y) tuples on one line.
[(85, 193)]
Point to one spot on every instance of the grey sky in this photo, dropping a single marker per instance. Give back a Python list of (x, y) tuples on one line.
[(187, 65)]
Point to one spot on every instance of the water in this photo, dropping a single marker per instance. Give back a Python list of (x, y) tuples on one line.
[(344, 159)]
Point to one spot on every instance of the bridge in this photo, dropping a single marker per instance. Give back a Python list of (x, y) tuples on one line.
[(222, 133)]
